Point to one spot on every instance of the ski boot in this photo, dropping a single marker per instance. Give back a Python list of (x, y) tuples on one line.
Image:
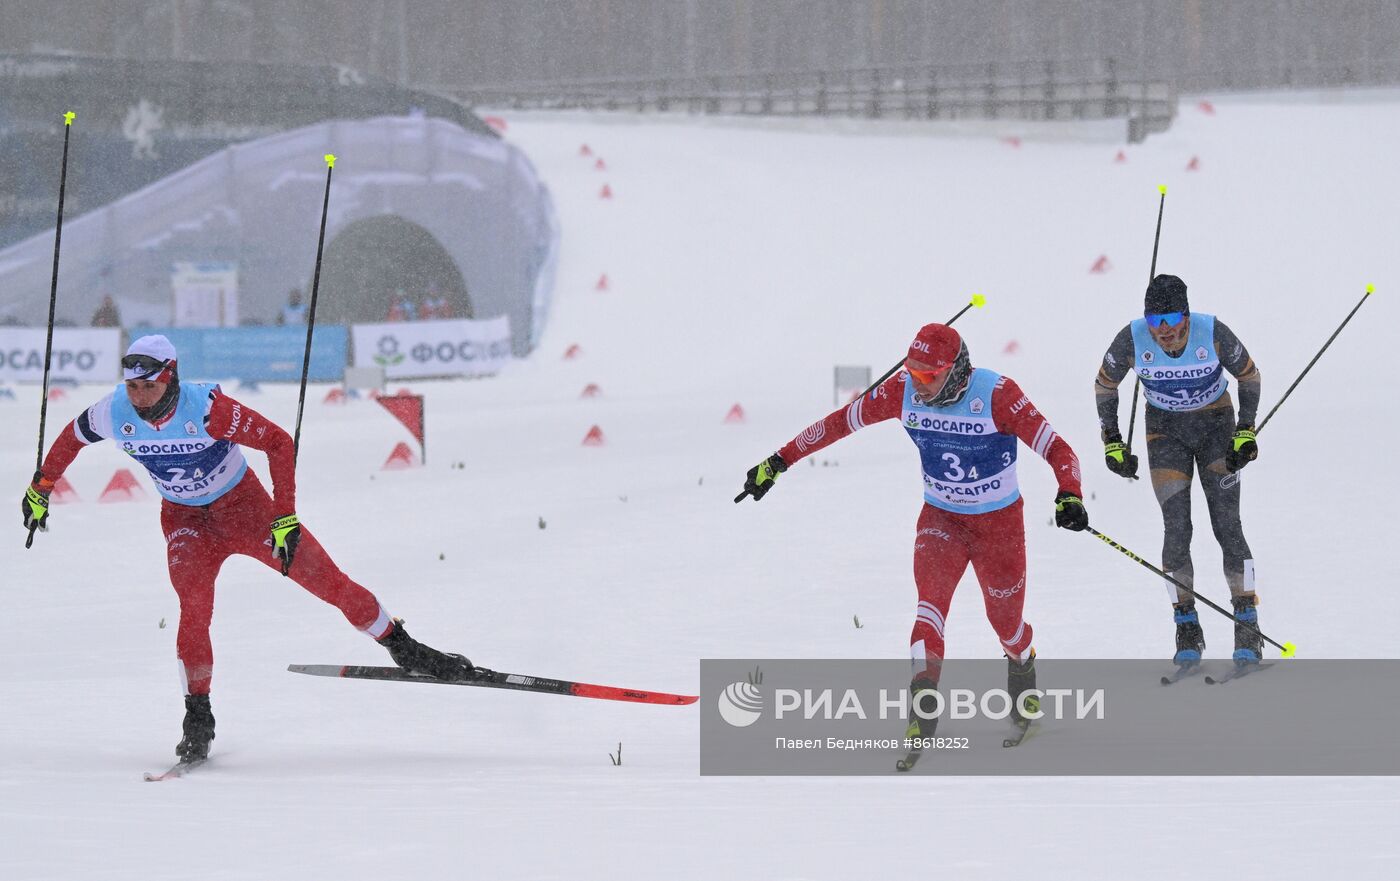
[(1020, 678), (1249, 644), (198, 729), (1190, 640), (919, 728), (415, 657)]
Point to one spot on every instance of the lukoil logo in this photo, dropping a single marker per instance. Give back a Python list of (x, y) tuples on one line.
[(741, 704)]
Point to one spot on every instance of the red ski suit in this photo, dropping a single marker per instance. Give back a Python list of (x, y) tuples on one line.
[(199, 538), (946, 542)]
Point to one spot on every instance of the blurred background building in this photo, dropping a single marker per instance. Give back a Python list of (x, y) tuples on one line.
[(182, 181)]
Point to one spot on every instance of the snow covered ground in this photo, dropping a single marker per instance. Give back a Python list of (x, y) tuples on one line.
[(744, 260)]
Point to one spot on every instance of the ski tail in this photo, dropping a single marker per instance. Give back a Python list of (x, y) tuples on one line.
[(483, 678)]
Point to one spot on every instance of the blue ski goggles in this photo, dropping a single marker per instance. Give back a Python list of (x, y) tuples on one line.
[(1157, 319)]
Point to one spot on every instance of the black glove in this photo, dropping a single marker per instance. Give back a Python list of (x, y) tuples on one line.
[(1119, 457), (1243, 448), (286, 535), (1070, 513), (761, 478), (34, 507)]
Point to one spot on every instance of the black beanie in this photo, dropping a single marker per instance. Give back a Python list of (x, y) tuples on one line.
[(1165, 293)]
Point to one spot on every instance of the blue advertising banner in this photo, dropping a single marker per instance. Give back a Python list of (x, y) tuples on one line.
[(261, 354)]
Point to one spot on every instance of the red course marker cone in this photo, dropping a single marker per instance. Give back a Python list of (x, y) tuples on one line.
[(1012, 348), (585, 150), (590, 391), (57, 394), (63, 493), (334, 396), (1101, 265), (600, 164), (1194, 164), (401, 457), (1121, 157), (594, 438), (121, 488), (605, 192), (1207, 108), (602, 284), (736, 414), (572, 352), (495, 122)]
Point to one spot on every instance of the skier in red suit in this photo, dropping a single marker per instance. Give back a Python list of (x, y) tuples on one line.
[(965, 423), (189, 438)]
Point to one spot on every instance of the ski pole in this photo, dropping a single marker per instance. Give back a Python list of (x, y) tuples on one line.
[(1287, 648), (977, 300), (53, 302), (1151, 274), (1370, 289), (311, 309)]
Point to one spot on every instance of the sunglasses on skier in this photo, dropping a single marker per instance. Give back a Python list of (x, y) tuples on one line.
[(927, 377), (1157, 319), (147, 365)]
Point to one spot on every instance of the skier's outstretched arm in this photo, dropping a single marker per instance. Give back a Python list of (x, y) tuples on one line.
[(885, 402), (92, 425)]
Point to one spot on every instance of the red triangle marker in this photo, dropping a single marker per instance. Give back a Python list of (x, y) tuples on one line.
[(334, 396), (401, 457), (591, 391), (1101, 265), (602, 284), (585, 150), (1121, 157), (600, 164), (63, 493), (605, 192), (736, 414), (594, 438), (1194, 164), (121, 488), (572, 352)]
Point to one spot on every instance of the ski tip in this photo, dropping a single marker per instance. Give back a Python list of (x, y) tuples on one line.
[(979, 301), (1290, 649)]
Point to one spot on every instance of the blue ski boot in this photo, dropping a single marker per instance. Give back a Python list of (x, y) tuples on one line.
[(1249, 644), (1190, 641)]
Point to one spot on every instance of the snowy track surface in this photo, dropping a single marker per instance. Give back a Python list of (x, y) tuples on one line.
[(743, 262)]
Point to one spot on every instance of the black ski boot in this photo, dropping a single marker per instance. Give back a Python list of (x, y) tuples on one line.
[(415, 657), (1190, 640), (1020, 678), (919, 729), (199, 729), (1249, 644)]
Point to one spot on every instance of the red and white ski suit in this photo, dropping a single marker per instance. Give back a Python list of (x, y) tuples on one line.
[(946, 542), (199, 538)]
